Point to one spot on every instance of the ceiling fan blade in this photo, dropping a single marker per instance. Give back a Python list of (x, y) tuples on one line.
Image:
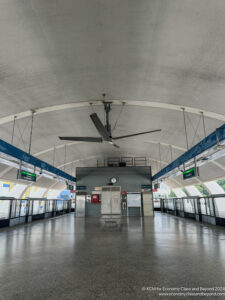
[(130, 135), (116, 146), (112, 143), (100, 127), (81, 139)]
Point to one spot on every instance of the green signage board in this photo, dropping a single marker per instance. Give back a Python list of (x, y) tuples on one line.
[(70, 187), (187, 174), (156, 186), (25, 175), (146, 187)]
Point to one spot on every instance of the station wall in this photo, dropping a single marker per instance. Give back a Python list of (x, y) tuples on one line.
[(129, 178)]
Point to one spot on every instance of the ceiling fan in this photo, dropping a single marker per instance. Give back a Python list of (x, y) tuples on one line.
[(104, 131)]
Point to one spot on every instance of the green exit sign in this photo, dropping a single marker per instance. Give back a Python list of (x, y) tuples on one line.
[(187, 174), (25, 175)]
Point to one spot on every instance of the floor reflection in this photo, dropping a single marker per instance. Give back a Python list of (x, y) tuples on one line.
[(83, 256)]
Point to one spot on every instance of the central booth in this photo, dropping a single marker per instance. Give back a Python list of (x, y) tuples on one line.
[(111, 192)]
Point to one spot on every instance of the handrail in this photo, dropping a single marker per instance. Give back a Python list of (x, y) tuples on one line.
[(19, 211), (193, 197), (43, 199), (207, 209)]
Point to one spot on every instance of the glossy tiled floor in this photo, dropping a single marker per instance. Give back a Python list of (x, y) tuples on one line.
[(68, 258)]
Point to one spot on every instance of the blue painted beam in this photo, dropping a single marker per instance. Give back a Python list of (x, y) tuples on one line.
[(205, 144), (30, 159)]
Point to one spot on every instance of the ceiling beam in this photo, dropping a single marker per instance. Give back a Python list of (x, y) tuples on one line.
[(30, 159), (67, 106)]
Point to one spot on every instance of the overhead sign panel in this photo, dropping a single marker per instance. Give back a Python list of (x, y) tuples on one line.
[(70, 187), (25, 175), (29, 159), (156, 185), (146, 187), (81, 188), (207, 143), (193, 172)]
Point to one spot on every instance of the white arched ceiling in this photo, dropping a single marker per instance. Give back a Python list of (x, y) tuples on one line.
[(158, 57), (83, 150), (68, 106)]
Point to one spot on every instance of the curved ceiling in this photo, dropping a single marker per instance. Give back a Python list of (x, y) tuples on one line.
[(57, 57)]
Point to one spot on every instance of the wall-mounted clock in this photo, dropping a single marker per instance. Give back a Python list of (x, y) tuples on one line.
[(113, 180)]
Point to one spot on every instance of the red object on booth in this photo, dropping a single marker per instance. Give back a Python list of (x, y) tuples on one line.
[(95, 198)]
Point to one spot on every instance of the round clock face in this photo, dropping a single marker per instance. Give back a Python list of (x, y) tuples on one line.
[(113, 180)]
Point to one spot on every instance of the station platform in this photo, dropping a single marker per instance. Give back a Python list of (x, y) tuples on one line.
[(78, 258)]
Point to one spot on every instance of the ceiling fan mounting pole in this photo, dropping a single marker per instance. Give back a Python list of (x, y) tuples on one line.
[(103, 130), (107, 106)]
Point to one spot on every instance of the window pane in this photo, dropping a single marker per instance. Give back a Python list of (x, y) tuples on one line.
[(4, 209)]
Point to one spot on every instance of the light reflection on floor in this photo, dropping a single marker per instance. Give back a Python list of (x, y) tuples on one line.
[(68, 258)]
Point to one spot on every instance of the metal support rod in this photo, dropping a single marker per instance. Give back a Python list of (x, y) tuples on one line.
[(20, 165), (185, 127), (160, 156), (91, 104), (65, 158), (217, 137), (19, 170), (114, 127), (14, 123), (203, 123), (71, 169), (171, 153), (158, 166), (195, 162), (53, 160), (31, 130), (107, 106)]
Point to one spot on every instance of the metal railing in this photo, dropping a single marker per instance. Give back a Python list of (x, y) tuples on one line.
[(122, 161), (18, 211), (210, 209)]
